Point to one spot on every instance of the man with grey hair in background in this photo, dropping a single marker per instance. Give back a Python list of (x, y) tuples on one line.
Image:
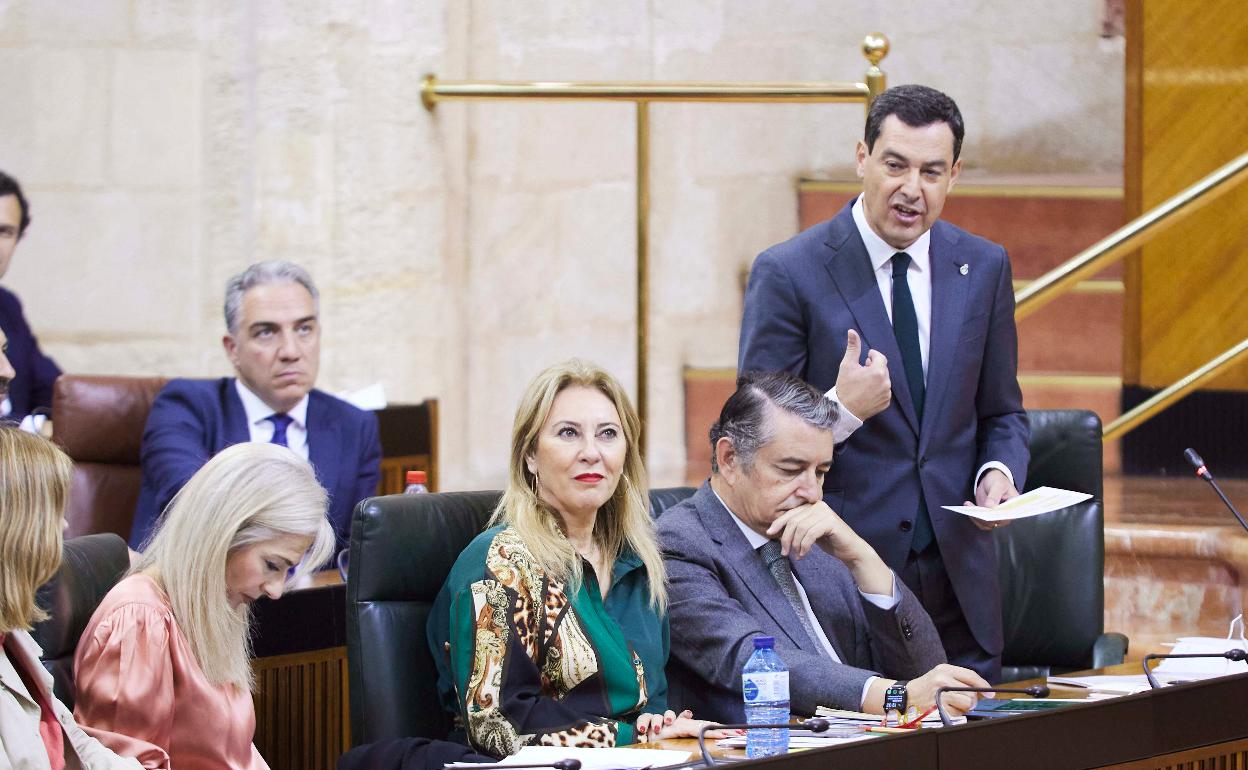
[(273, 340), (756, 552)]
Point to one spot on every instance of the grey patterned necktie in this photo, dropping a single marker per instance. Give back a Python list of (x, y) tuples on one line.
[(780, 569)]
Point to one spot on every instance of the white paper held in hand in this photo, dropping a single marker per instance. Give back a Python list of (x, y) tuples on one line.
[(1033, 503)]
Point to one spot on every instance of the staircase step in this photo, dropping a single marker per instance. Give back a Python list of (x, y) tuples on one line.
[(706, 390), (1098, 393), (1077, 332)]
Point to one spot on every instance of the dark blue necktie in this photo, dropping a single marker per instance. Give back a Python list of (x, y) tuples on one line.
[(281, 421), (906, 330)]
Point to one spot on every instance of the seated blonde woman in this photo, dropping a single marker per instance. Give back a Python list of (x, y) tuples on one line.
[(163, 668), (36, 730), (555, 617)]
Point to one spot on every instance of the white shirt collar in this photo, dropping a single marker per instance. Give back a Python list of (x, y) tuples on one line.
[(879, 252), (258, 411), (756, 540)]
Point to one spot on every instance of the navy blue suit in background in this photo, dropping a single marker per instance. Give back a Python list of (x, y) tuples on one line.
[(803, 296), (192, 420), (36, 373)]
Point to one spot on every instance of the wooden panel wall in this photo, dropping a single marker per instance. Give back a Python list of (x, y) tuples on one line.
[(301, 709), (1187, 114)]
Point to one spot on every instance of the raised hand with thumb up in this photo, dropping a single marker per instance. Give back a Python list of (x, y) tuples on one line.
[(864, 390)]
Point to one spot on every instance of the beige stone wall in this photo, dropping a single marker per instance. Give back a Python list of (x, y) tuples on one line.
[(167, 143)]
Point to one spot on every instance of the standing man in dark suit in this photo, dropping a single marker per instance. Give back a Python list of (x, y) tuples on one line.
[(31, 387), (756, 552), (274, 343), (937, 414)]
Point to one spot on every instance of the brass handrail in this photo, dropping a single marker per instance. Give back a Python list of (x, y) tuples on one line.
[(1130, 236), (434, 91), (874, 48), (1159, 401)]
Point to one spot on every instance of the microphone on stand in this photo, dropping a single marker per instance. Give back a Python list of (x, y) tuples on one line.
[(815, 725), (562, 764), (1233, 654), (1035, 691), (1204, 473)]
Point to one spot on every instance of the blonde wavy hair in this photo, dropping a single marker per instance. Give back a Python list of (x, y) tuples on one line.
[(247, 494), (34, 487), (623, 522)]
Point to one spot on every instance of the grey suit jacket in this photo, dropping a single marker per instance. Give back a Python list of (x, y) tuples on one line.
[(721, 596)]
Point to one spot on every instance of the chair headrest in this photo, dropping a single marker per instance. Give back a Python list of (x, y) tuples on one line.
[(90, 567), (388, 529), (101, 419), (1066, 450)]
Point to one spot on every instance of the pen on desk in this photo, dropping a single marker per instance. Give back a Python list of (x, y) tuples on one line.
[(917, 721)]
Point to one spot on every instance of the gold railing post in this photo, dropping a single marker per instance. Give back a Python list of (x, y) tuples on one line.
[(1159, 401), (875, 48), (643, 262)]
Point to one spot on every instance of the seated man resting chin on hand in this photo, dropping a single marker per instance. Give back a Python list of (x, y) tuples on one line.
[(756, 552)]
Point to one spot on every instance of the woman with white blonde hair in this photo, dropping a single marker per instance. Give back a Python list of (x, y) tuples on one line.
[(163, 668), (36, 730), (555, 618)]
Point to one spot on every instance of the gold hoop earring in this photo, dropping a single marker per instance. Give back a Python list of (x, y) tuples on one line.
[(533, 484)]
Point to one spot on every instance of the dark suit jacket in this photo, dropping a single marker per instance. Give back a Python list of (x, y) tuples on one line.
[(806, 292), (192, 420), (721, 596), (36, 373)]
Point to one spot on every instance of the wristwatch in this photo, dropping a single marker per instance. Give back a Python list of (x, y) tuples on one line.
[(895, 697)]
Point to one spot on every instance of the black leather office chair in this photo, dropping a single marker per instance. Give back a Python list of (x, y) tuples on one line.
[(1053, 566), (402, 549), (91, 565)]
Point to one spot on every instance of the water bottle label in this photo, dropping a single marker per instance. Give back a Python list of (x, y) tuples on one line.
[(765, 686)]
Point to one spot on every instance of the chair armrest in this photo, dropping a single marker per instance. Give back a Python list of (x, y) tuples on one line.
[(1110, 649)]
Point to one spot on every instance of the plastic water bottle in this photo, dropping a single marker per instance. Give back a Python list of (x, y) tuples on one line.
[(416, 481), (765, 687)]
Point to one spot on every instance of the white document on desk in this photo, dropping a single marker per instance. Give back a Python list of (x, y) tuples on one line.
[(592, 759), (806, 740), (1201, 668), (1104, 683), (1033, 503)]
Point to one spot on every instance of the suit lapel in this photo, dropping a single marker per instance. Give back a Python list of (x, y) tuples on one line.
[(749, 566), (827, 601), (323, 441), (236, 430), (11, 680), (850, 268), (949, 291)]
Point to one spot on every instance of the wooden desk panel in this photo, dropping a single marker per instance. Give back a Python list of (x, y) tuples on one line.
[(1195, 726), (302, 709)]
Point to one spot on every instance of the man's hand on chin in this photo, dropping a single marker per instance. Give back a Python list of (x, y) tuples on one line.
[(994, 488), (801, 528)]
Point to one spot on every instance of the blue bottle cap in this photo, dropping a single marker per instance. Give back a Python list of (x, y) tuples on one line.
[(764, 642)]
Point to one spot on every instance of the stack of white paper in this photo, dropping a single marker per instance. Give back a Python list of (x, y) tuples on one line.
[(800, 739), (1104, 684), (842, 717), (592, 759), (1201, 668)]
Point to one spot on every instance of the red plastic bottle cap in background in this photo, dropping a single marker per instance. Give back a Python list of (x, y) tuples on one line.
[(417, 477)]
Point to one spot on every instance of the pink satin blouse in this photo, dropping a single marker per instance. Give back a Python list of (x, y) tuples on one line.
[(142, 694)]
